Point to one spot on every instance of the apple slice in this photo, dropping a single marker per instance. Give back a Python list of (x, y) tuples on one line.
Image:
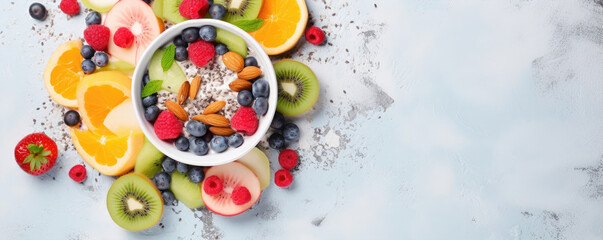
[(232, 175), (121, 119), (259, 164), (172, 78), (137, 16), (99, 5)]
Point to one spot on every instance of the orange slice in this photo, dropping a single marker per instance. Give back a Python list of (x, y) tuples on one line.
[(63, 73), (98, 94), (109, 154), (284, 24)]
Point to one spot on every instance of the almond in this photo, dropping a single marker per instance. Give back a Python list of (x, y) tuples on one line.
[(249, 73), (240, 85), (214, 107), (195, 84), (183, 92), (200, 118), (213, 120), (177, 110), (222, 131), (233, 61)]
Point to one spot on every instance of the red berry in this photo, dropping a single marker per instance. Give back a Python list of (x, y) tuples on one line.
[(167, 126), (212, 185), (193, 9), (315, 35), (283, 178), (288, 159), (123, 37), (36, 153), (97, 36), (245, 121), (78, 173), (240, 195), (200, 52), (71, 7)]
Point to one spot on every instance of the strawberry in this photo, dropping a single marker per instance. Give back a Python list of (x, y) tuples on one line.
[(36, 153)]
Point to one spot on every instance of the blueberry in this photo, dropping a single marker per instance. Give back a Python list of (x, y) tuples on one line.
[(221, 49), (88, 66), (101, 59), (87, 52), (147, 1), (181, 54), (181, 167), (145, 79), (207, 33), (290, 131), (168, 198), (151, 113), (276, 141), (168, 164), (196, 174), (260, 106), (210, 2), (71, 118), (245, 98), (219, 144), (260, 88), (235, 140), (251, 61), (162, 180), (196, 128), (208, 136), (179, 42), (181, 143), (93, 18), (198, 146), (149, 100), (217, 11), (278, 121), (190, 34), (37, 11)]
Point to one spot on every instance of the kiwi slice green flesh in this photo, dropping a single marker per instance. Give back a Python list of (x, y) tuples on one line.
[(298, 87), (171, 12), (148, 160), (233, 42), (157, 7), (240, 9), (134, 203), (186, 191), (172, 78)]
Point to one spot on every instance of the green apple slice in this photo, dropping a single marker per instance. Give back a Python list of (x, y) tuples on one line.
[(99, 5), (157, 6), (259, 164), (232, 41), (148, 160), (172, 78), (118, 65)]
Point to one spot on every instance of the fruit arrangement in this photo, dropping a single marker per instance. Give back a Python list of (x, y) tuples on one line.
[(93, 81)]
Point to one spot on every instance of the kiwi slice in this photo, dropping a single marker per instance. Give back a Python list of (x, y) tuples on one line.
[(171, 12), (297, 87), (148, 160), (186, 191), (134, 203), (240, 9), (157, 7), (232, 41)]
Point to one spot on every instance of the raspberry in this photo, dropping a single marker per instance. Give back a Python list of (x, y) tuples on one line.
[(283, 178), (288, 159), (123, 37), (245, 121), (212, 185), (240, 195), (71, 7), (315, 35), (167, 126), (193, 9), (78, 173), (97, 36), (200, 52)]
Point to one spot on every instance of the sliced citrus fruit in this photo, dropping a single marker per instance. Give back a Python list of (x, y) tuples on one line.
[(98, 94), (63, 73), (109, 154), (284, 24)]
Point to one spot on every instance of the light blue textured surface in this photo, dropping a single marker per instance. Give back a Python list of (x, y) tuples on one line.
[(437, 120)]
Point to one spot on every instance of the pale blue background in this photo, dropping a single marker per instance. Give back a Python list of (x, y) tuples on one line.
[(442, 119)]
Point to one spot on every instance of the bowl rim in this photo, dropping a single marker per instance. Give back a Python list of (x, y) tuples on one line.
[(212, 158)]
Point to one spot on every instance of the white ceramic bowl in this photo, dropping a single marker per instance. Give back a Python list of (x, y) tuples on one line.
[(212, 158)]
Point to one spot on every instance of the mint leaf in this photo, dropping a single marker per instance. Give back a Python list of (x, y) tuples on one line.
[(151, 88), (168, 57), (249, 25)]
